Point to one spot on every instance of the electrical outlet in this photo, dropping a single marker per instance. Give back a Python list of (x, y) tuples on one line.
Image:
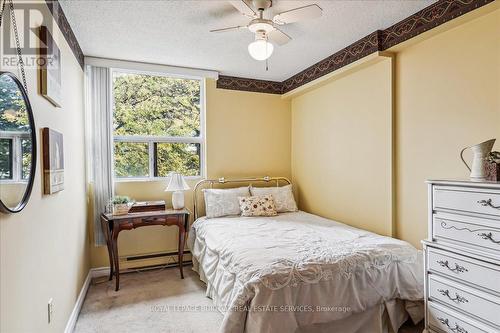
[(50, 310)]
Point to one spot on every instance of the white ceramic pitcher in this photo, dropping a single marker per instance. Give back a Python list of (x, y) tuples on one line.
[(480, 152)]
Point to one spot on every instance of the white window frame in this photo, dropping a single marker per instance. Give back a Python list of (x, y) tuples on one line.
[(17, 156), (150, 140)]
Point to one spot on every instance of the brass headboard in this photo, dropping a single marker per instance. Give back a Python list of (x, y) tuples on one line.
[(210, 183)]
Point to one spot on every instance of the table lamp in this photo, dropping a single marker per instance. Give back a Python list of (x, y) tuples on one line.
[(177, 185)]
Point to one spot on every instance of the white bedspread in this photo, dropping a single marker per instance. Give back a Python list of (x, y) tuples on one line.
[(278, 274)]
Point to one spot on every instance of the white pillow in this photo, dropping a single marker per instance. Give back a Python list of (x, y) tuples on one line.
[(224, 202), (283, 197)]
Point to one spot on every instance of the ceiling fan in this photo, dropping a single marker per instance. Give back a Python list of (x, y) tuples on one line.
[(266, 30)]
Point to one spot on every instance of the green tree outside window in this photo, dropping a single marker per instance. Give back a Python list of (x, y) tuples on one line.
[(154, 106)]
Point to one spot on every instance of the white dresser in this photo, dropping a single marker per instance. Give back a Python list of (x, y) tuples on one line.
[(462, 257)]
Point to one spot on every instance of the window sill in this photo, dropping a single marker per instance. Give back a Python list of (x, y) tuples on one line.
[(13, 182), (156, 179)]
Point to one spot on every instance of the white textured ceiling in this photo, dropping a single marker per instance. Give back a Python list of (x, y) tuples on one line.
[(175, 32)]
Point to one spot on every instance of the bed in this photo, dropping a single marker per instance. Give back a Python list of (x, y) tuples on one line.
[(298, 272)]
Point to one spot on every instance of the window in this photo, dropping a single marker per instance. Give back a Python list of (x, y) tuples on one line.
[(15, 156), (157, 125), (6, 161), (15, 140)]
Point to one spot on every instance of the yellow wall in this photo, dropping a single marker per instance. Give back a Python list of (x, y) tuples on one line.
[(248, 134), (341, 148), (44, 249), (447, 96)]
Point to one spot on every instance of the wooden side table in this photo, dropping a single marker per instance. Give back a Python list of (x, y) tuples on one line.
[(113, 224)]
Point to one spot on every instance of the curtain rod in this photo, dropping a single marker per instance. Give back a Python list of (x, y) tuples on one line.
[(149, 67)]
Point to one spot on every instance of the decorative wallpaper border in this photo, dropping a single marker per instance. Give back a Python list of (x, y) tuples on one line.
[(426, 19), (62, 22), (253, 85), (360, 49)]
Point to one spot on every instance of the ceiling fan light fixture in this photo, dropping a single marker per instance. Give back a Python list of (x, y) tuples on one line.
[(266, 29), (260, 49)]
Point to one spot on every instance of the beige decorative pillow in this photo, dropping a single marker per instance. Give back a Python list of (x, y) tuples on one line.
[(283, 197), (258, 206), (223, 202)]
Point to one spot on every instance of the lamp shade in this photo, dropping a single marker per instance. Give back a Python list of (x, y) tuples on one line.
[(177, 183)]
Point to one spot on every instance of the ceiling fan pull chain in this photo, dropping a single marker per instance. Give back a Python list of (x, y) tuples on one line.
[(18, 44), (267, 59)]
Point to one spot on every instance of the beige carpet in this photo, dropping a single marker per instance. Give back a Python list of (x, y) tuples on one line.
[(153, 301)]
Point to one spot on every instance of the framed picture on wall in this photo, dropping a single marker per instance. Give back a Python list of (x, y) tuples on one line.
[(53, 161), (50, 68)]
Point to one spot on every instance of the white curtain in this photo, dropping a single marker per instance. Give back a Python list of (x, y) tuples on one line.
[(99, 143)]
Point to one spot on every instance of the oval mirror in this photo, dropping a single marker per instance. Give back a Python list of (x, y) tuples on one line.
[(17, 145)]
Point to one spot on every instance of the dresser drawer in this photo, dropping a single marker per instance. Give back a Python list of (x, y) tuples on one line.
[(466, 269), (471, 301), (480, 201), (478, 233), (443, 319)]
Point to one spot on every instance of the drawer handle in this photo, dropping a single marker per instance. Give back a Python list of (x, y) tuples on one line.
[(456, 329), (457, 269), (487, 203), (150, 219), (489, 236), (457, 299)]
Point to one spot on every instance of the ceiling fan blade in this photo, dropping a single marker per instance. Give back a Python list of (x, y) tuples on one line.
[(243, 7), (229, 29), (279, 37), (298, 14)]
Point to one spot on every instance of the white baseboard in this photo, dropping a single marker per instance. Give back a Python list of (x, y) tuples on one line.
[(70, 326)]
